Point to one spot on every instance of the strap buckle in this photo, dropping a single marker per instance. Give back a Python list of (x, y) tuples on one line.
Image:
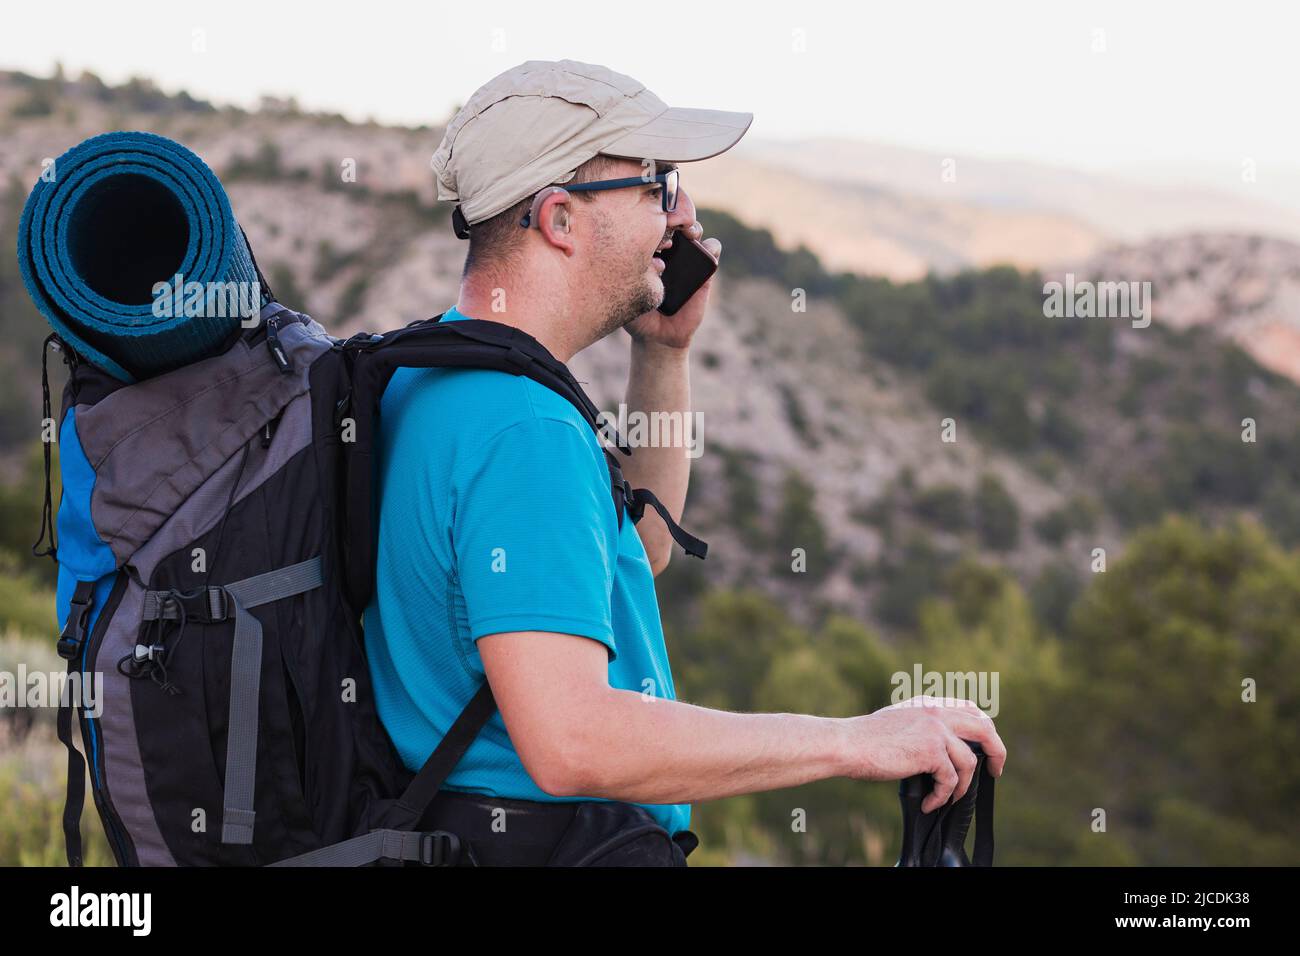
[(439, 848), (218, 605), (74, 631), (634, 505), (209, 605)]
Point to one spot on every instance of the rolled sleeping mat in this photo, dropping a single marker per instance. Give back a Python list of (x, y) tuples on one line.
[(117, 216)]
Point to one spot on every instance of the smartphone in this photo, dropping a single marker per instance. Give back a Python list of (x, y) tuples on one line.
[(687, 266)]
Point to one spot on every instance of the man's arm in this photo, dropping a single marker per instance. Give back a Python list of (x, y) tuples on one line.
[(577, 736), (659, 381)]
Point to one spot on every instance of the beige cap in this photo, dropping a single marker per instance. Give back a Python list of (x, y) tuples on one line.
[(536, 123)]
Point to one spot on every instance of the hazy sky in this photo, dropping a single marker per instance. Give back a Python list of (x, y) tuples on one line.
[(1095, 85)]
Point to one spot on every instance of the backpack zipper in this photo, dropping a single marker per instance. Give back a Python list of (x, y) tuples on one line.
[(274, 347)]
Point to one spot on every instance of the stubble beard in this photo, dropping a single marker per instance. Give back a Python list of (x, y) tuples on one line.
[(634, 294), (631, 299)]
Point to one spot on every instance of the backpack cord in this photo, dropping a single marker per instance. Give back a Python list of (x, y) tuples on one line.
[(182, 597), (267, 294), (47, 511), (155, 668)]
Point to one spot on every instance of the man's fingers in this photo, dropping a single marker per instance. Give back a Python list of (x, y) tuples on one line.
[(969, 722), (966, 721), (945, 780), (964, 759), (981, 730)]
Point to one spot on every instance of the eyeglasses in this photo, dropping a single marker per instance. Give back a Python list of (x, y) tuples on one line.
[(667, 181)]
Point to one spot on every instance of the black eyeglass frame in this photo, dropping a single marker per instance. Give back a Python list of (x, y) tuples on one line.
[(667, 196)]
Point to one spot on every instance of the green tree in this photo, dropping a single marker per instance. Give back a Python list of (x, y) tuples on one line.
[(996, 514), (724, 657), (1168, 647), (798, 525), (908, 576), (942, 506)]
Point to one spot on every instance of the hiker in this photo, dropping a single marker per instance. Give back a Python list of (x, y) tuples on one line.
[(500, 557)]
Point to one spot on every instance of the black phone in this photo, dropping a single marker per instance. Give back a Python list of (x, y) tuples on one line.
[(687, 266)]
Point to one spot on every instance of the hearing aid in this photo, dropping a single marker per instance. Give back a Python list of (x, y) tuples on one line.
[(531, 219)]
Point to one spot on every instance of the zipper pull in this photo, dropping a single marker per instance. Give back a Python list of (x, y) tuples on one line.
[(341, 409), (274, 347)]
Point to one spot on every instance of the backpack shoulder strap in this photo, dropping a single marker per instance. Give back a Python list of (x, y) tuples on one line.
[(467, 343), (420, 791)]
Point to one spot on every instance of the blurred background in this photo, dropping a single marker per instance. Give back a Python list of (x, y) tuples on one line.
[(1100, 534)]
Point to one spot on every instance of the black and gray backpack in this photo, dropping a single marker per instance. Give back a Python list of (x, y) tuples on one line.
[(215, 554)]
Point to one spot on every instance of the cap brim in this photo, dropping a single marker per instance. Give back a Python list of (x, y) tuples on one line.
[(681, 135)]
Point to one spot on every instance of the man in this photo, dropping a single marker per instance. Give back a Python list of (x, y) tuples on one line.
[(500, 554)]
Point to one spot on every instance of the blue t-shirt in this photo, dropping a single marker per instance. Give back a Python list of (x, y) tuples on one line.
[(496, 515)]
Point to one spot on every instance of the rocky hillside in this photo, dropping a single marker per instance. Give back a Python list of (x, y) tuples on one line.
[(1244, 288)]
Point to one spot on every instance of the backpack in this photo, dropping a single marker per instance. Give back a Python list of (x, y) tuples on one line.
[(215, 552)]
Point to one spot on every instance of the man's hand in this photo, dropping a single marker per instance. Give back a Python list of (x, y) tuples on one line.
[(676, 331), (924, 735)]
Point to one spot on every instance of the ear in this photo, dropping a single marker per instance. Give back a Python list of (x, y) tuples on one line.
[(553, 220)]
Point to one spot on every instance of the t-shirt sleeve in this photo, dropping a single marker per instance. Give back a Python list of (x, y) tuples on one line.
[(534, 533)]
